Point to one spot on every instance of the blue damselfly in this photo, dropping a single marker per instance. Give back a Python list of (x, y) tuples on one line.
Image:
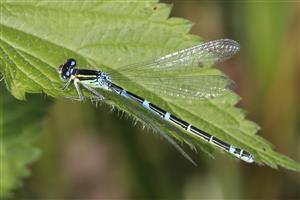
[(157, 75)]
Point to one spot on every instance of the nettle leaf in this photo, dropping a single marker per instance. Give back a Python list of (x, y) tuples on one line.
[(38, 36), (19, 125)]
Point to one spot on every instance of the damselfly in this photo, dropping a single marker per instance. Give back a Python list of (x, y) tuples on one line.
[(158, 75)]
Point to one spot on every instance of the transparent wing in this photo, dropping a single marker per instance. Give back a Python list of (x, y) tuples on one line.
[(205, 54), (185, 87), (177, 74), (201, 88)]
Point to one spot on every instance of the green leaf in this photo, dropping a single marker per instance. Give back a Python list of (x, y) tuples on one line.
[(38, 36), (19, 125)]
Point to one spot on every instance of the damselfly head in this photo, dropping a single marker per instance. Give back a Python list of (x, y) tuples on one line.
[(66, 69)]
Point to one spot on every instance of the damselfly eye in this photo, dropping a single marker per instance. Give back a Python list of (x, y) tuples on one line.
[(71, 62), (67, 68)]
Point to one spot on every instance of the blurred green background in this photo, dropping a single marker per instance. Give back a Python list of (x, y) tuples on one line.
[(90, 152)]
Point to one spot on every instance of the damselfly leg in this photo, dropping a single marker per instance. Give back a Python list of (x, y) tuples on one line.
[(81, 97), (98, 95), (67, 84), (77, 86)]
